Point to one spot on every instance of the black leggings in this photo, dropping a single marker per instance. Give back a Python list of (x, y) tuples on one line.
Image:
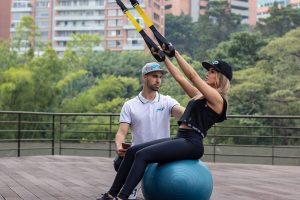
[(186, 145)]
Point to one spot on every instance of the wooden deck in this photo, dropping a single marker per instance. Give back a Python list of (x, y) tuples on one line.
[(83, 178)]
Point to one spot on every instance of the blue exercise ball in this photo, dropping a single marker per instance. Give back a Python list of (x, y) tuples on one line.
[(179, 180)]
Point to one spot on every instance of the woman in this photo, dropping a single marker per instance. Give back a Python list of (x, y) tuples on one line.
[(208, 105)]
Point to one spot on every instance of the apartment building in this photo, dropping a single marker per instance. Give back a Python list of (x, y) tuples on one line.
[(245, 8), (40, 10), (5, 7), (183, 7), (295, 3), (19, 8), (71, 17), (43, 17), (263, 6), (178, 7), (59, 19)]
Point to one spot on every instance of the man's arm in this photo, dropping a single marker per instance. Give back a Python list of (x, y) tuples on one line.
[(120, 138), (177, 111)]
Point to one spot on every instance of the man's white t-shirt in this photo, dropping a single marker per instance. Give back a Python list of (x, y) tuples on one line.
[(149, 120)]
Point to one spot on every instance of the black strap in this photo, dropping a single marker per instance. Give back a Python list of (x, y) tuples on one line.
[(158, 54), (167, 47)]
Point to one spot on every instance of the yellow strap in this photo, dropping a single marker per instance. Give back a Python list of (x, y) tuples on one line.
[(133, 21), (143, 14)]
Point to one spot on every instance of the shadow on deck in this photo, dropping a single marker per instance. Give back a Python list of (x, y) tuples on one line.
[(83, 178)]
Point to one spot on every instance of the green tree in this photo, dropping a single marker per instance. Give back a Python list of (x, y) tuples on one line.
[(241, 50), (16, 89), (215, 26), (180, 31), (26, 36), (124, 63), (47, 71), (248, 92), (280, 21), (71, 84), (281, 57), (271, 87), (80, 51), (8, 57), (107, 91)]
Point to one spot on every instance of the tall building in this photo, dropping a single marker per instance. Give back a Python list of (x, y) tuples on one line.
[(103, 17), (177, 7), (263, 6), (71, 17), (183, 7), (43, 18), (59, 19), (40, 10), (186, 7), (5, 18), (245, 8), (19, 9), (295, 3), (203, 4)]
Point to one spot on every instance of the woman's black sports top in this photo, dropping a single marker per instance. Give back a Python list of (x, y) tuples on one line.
[(200, 117)]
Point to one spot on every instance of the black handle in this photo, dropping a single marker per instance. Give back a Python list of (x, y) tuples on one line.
[(158, 54), (134, 2), (122, 6), (168, 48)]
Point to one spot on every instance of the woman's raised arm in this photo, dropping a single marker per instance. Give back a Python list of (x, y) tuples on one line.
[(183, 82), (210, 93)]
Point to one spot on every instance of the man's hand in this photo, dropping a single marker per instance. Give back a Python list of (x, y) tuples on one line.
[(121, 152), (120, 138)]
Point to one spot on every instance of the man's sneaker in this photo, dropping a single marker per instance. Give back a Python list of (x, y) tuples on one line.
[(133, 194), (105, 196)]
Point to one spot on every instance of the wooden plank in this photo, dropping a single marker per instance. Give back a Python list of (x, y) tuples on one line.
[(24, 193), (83, 178), (260, 182), (32, 184), (7, 193)]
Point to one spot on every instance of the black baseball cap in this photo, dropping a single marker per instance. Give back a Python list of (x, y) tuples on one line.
[(220, 66)]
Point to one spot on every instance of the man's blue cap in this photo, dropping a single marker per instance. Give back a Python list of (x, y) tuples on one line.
[(152, 67)]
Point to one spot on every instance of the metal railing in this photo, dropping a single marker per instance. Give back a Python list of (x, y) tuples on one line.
[(241, 138)]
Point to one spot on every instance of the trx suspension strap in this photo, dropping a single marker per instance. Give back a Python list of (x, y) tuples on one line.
[(167, 46), (158, 54)]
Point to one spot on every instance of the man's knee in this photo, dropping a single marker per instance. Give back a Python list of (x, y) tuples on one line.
[(117, 162)]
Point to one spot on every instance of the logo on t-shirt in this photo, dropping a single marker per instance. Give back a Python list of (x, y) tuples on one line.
[(160, 109)]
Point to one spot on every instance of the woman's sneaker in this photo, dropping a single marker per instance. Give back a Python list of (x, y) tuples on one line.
[(105, 196), (133, 194)]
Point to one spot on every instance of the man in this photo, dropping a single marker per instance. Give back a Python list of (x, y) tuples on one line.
[(147, 115)]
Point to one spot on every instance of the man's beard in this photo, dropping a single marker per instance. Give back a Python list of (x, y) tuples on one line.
[(154, 88)]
